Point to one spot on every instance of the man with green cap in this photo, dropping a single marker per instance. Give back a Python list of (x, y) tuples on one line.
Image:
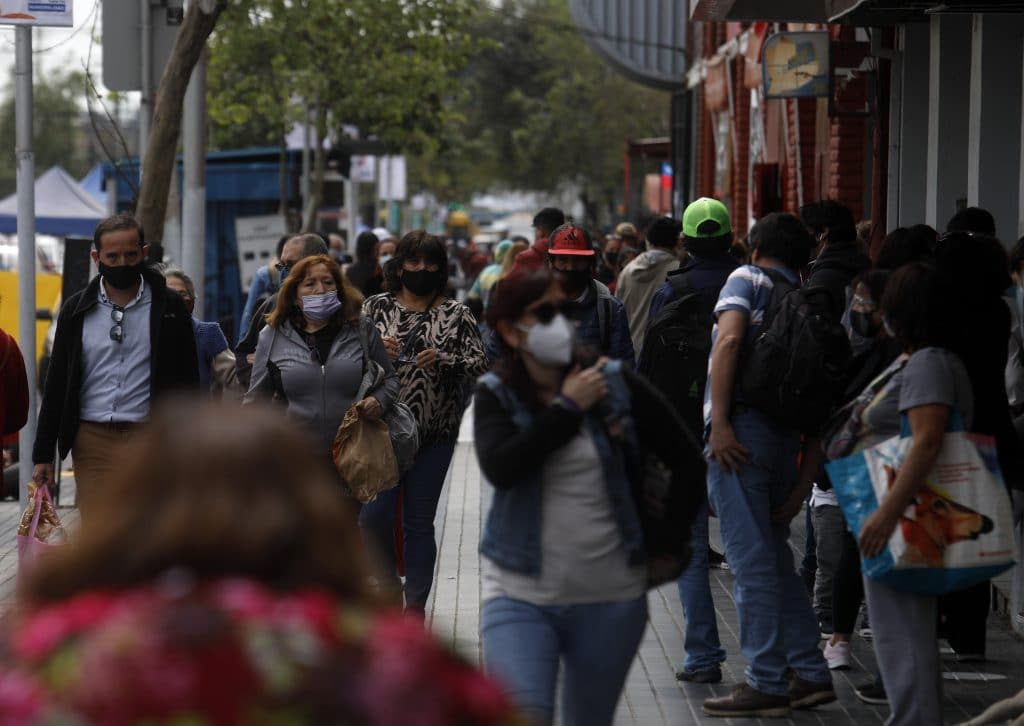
[(707, 236)]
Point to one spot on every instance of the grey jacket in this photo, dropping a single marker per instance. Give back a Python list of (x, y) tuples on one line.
[(319, 395)]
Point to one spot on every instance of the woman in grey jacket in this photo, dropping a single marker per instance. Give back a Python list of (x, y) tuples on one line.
[(310, 355)]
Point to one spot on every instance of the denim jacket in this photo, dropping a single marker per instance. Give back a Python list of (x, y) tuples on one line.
[(511, 536)]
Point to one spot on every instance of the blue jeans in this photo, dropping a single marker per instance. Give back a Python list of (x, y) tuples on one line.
[(778, 630), (523, 645), (702, 645), (420, 489)]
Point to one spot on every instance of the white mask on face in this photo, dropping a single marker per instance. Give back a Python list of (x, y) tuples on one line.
[(550, 344)]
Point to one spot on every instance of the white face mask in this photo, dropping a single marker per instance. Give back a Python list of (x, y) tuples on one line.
[(384, 259), (550, 344)]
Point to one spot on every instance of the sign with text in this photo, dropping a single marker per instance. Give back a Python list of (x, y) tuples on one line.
[(362, 169), (36, 12)]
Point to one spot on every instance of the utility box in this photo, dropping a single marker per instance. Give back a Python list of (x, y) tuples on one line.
[(122, 42)]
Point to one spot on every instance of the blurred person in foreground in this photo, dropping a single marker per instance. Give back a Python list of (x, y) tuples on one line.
[(238, 599)]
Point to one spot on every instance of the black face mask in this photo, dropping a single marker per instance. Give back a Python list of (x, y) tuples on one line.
[(421, 282), (611, 258), (122, 277), (863, 324), (576, 281)]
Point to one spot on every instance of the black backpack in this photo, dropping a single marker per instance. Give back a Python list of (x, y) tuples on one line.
[(795, 370), (676, 349)]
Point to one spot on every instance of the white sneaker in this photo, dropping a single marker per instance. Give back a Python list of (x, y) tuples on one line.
[(837, 656)]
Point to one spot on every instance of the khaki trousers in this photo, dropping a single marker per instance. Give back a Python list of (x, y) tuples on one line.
[(97, 451)]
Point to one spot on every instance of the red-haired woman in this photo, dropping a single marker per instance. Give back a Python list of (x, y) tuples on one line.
[(310, 354)]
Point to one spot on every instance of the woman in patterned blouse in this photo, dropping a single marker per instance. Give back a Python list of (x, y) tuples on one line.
[(436, 350)]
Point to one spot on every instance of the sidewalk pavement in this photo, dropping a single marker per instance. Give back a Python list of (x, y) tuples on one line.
[(652, 695)]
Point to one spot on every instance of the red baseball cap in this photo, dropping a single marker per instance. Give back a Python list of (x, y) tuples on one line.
[(571, 240)]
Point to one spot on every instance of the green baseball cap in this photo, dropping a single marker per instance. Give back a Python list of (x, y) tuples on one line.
[(704, 210)]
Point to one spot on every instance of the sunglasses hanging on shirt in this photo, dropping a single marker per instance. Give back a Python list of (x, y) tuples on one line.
[(117, 329)]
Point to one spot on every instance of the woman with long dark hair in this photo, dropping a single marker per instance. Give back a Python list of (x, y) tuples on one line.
[(436, 349), (565, 552)]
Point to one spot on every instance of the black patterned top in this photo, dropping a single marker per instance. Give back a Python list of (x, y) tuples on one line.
[(437, 395)]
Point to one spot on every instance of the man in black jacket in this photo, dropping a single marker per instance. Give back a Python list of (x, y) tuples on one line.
[(120, 343)]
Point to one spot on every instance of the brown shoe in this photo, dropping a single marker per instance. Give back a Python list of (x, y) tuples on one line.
[(808, 694), (747, 701)]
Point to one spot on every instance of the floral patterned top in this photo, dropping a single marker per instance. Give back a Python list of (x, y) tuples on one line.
[(232, 652), (437, 395)]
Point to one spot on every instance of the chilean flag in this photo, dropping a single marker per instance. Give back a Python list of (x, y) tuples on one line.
[(666, 175)]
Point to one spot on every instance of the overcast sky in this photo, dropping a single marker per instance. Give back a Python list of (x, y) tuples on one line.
[(58, 48)]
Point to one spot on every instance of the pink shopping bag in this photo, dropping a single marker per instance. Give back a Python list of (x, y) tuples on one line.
[(40, 529)]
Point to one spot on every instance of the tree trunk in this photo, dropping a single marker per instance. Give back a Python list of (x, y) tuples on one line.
[(282, 181), (316, 187), (161, 152)]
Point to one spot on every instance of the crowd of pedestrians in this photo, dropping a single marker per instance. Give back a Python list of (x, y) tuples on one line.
[(627, 387)]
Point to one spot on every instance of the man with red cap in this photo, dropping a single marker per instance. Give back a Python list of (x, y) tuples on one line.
[(600, 319)]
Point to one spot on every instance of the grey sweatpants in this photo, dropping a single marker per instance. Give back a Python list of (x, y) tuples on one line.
[(907, 651)]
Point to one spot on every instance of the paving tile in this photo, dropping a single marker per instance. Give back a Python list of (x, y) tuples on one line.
[(652, 696)]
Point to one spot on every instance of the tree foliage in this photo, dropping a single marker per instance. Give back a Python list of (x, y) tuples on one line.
[(385, 66), (57, 99), (541, 110)]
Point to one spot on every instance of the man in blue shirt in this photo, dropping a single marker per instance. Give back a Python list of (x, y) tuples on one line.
[(120, 343), (755, 489)]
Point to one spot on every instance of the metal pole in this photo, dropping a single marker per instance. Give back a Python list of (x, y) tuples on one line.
[(146, 63), (351, 211), (193, 245), (26, 242)]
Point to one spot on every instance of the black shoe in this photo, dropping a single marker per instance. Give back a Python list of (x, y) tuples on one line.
[(808, 694), (717, 559), (707, 675), (745, 701), (873, 693)]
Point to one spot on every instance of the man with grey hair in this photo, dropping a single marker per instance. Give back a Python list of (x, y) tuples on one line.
[(297, 248), (216, 361)]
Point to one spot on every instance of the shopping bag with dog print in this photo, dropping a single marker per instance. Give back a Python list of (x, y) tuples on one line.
[(958, 530)]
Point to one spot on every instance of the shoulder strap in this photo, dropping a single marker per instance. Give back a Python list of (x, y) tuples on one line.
[(680, 284), (364, 341), (508, 400), (781, 286), (604, 316)]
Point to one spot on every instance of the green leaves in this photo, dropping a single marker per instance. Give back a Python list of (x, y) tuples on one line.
[(382, 65)]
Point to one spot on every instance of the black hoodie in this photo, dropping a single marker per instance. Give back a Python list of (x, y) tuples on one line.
[(835, 268)]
